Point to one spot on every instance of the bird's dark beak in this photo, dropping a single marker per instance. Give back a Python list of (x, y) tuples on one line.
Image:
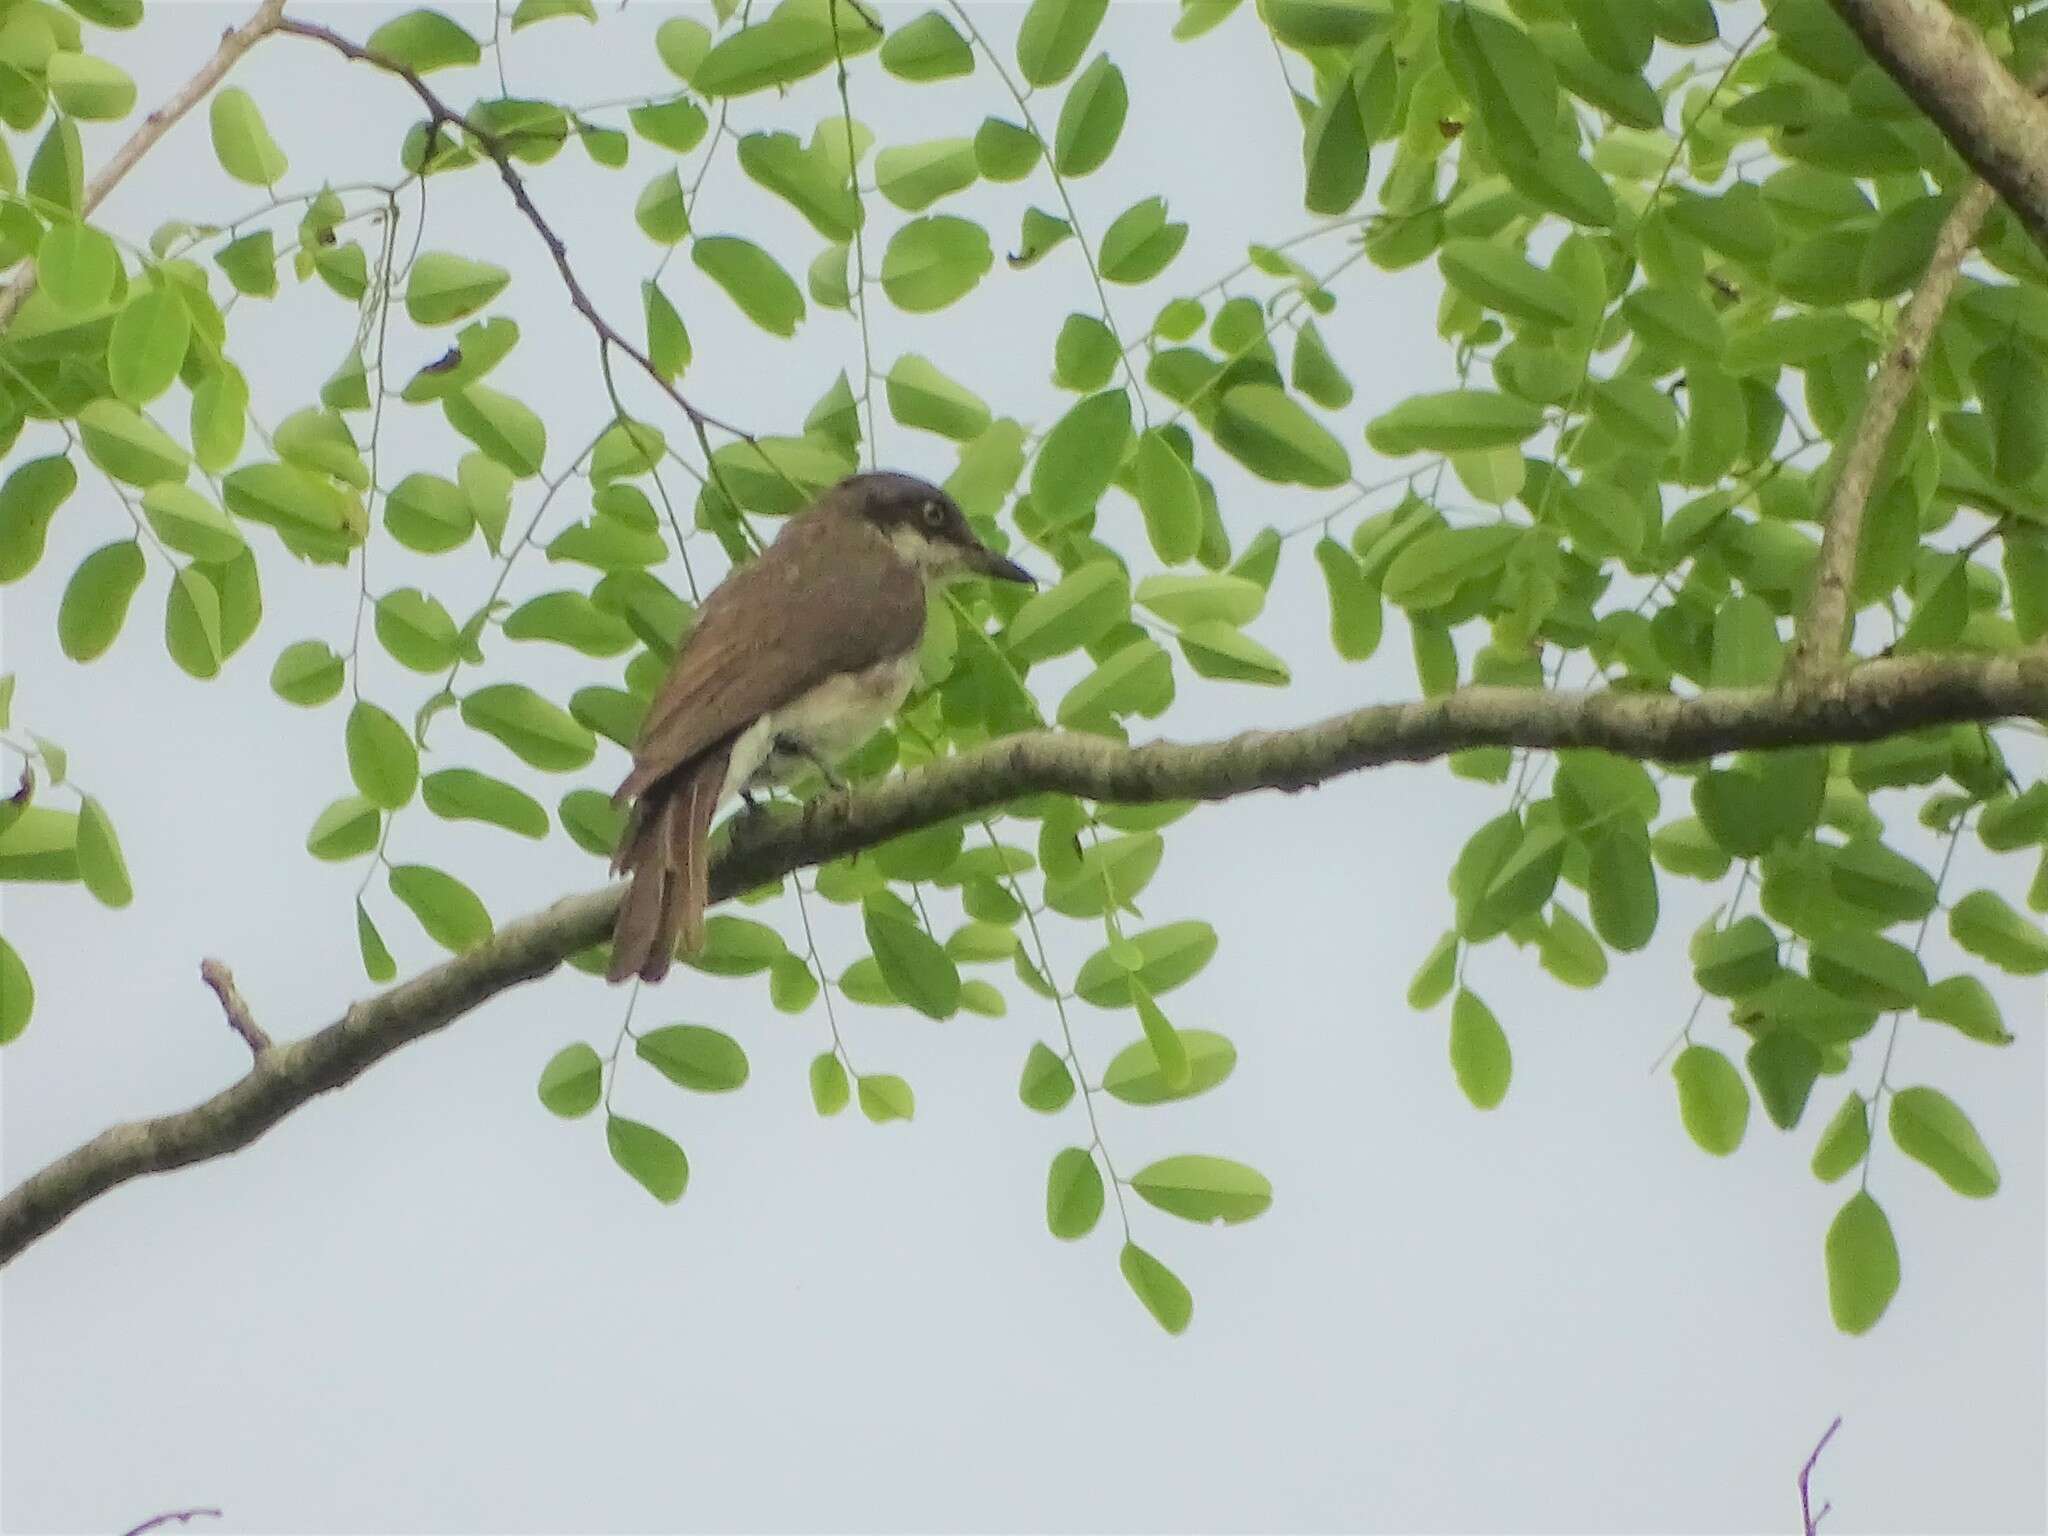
[(984, 561)]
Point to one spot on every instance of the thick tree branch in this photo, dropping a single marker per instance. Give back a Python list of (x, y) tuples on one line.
[(439, 115), (233, 44), (1823, 632), (1877, 699), (1995, 122)]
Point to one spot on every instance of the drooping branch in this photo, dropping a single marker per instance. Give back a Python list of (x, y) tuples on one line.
[(235, 42), (1995, 121), (440, 115), (1823, 632), (1877, 699)]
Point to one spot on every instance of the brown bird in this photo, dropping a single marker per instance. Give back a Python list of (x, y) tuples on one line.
[(796, 659)]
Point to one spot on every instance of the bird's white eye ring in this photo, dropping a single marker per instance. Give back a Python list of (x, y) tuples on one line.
[(934, 514)]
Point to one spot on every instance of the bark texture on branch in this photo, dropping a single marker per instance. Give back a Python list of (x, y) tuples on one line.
[(1995, 121), (1822, 638), (1878, 699)]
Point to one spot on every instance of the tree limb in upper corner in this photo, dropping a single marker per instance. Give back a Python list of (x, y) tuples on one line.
[(1876, 699), (1994, 120)]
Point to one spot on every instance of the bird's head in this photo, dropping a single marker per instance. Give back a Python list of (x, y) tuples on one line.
[(925, 526)]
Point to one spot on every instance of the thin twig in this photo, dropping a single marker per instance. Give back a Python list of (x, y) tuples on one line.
[(1807, 1517), (182, 1516), (439, 113), (235, 42), (217, 976), (1875, 700)]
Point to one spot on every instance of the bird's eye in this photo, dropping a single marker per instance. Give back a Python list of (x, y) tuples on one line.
[(934, 514)]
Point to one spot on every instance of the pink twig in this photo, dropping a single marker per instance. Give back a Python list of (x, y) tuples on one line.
[(1808, 1518), (180, 1515)]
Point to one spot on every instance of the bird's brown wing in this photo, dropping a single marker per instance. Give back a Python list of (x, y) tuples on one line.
[(850, 604)]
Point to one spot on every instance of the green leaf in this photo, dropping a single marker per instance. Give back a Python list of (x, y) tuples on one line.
[(915, 965), (307, 672), (1844, 1141), (1204, 1188), (677, 124), (1135, 1075), (1867, 969), (1965, 1005), (1480, 1058), (1452, 422), (1784, 1064), (914, 176), (1046, 1084), (56, 173), (1054, 35), (1140, 242), (1931, 1129), (1091, 119), (147, 346), (1079, 457), (220, 407), (416, 630), (571, 619), (424, 41), (1336, 148), (1158, 1287), (76, 266), (129, 446), (17, 994), (192, 623), (1986, 925), (1073, 1194), (463, 794), (1085, 354), (90, 88), (445, 287), (101, 869), (572, 1081), (381, 758), (1219, 650), (829, 1089), (1712, 1099), (923, 397), (528, 12), (2013, 388), (694, 1056), (1167, 497), (1166, 956), (1504, 75), (655, 1162), (347, 829), (1736, 960), (927, 48), (505, 429), (1433, 978), (1167, 1049), (933, 261), (541, 734), (1078, 611), (1862, 1264), (96, 599), (752, 279), (1498, 278), (241, 143), (795, 41), (1267, 431), (1868, 875), (447, 909), (884, 1098), (1003, 151), (1570, 952), (29, 498)]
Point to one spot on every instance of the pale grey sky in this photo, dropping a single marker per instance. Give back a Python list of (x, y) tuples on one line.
[(424, 1305)]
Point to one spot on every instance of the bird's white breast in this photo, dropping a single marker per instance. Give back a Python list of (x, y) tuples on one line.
[(831, 720)]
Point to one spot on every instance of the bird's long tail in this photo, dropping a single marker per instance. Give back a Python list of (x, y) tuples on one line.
[(666, 849)]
